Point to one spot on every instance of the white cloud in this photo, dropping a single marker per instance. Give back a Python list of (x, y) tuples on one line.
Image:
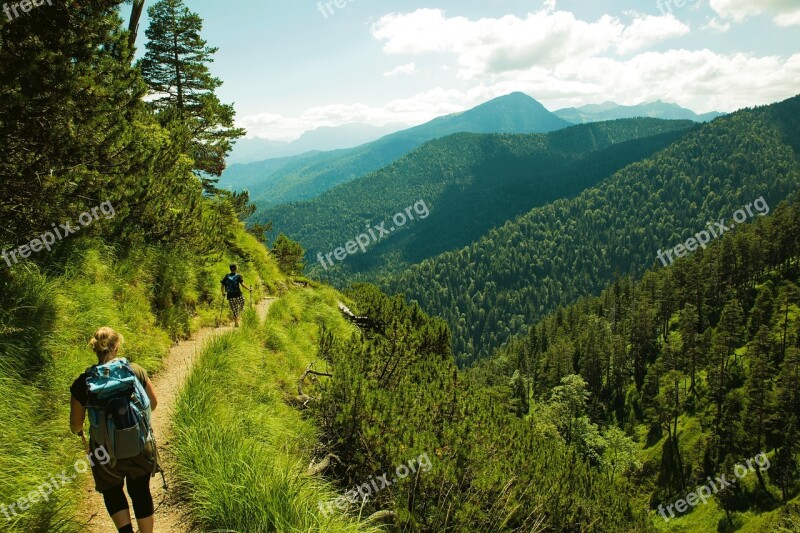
[(416, 109), (405, 70), (558, 60), (783, 12), (788, 19), (545, 38), (645, 30), (717, 25), (701, 80)]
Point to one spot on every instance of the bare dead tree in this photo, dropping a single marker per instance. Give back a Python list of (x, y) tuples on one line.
[(381, 515), (301, 396), (318, 468), (133, 24)]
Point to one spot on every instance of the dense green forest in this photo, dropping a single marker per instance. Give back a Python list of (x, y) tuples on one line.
[(700, 363), (306, 176), (611, 406), (470, 183), (396, 395), (551, 256)]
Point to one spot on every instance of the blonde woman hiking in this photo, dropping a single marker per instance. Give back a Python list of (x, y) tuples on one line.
[(119, 398)]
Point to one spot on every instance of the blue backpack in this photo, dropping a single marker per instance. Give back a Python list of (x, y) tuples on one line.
[(119, 411)]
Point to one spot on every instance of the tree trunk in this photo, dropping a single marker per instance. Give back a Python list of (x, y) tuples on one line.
[(761, 483), (133, 24)]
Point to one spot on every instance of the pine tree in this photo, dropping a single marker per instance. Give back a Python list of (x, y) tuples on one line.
[(759, 392), (726, 497), (68, 101), (789, 294), (176, 70), (289, 255), (761, 314), (690, 338)]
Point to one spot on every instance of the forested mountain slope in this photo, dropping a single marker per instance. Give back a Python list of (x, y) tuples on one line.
[(573, 247), (470, 183), (396, 398), (309, 175), (699, 362)]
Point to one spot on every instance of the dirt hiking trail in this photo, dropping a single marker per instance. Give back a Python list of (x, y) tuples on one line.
[(175, 370)]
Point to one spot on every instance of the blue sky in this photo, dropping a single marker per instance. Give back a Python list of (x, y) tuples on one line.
[(294, 65)]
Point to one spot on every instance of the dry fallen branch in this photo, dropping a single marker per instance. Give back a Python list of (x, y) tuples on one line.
[(381, 515), (302, 398), (305, 374), (318, 468)]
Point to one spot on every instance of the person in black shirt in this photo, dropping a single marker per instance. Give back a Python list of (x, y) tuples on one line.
[(230, 288)]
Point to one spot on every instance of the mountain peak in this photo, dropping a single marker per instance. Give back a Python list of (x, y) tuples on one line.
[(516, 98)]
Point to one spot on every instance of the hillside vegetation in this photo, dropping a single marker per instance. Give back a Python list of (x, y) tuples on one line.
[(551, 256), (151, 295), (698, 363), (605, 410), (470, 184), (396, 397), (242, 447), (570, 418), (135, 240)]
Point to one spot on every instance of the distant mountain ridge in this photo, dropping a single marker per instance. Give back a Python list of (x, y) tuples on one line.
[(611, 110), (306, 176), (514, 275), (251, 150), (472, 182)]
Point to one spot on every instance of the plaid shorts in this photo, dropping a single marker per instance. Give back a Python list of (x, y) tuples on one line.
[(237, 305)]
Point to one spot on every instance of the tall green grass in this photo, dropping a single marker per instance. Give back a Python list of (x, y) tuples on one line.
[(242, 450), (46, 321)]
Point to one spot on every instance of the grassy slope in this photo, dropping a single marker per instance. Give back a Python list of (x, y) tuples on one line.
[(242, 449), (45, 325)]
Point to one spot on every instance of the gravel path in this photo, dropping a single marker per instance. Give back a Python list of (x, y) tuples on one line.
[(178, 364)]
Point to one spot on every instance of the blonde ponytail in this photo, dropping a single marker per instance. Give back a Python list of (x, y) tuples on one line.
[(105, 342)]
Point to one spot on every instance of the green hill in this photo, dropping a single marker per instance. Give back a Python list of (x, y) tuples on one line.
[(698, 362), (314, 419), (573, 247), (469, 183), (308, 175)]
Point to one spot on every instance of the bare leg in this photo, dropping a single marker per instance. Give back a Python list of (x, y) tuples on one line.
[(122, 518), (146, 524)]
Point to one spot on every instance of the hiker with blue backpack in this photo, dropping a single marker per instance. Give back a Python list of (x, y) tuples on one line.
[(230, 288), (119, 399)]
